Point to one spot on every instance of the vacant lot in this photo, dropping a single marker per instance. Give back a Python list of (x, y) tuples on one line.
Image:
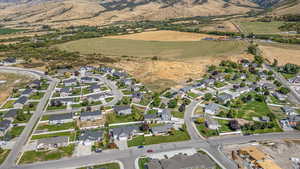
[(12, 80), (284, 53), (161, 64), (163, 36), (261, 27)]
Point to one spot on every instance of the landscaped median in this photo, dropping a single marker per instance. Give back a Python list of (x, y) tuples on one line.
[(34, 156), (106, 166), (3, 155)]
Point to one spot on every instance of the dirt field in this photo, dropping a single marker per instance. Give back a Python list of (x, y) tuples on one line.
[(223, 26), (163, 36), (284, 53), (280, 150), (12, 80)]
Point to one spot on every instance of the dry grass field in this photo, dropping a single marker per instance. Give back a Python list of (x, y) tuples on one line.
[(179, 57), (12, 80), (284, 53), (164, 35)]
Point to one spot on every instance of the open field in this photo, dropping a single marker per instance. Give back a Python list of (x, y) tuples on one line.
[(12, 80), (163, 35), (284, 53), (261, 27), (174, 61)]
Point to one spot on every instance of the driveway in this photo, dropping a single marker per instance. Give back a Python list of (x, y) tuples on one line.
[(82, 150), (122, 144)]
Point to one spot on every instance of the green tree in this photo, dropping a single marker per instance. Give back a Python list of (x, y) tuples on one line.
[(207, 96)]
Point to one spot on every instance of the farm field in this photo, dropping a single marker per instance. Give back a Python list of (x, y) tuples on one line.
[(284, 53), (261, 27)]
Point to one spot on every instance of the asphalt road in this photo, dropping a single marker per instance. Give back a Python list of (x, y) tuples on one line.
[(23, 138), (190, 126)]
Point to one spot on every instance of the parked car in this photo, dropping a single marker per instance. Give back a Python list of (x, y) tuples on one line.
[(98, 150), (140, 146), (149, 151)]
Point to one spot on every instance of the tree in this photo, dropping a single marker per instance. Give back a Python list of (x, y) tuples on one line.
[(234, 125), (172, 103), (21, 116), (207, 96), (181, 108), (284, 90), (290, 68), (200, 120), (145, 127)]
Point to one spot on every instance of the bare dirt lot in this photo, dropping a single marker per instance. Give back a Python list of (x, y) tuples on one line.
[(12, 80), (164, 35), (284, 53), (280, 150)]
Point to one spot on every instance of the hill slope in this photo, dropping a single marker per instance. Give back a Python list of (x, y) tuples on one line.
[(96, 12)]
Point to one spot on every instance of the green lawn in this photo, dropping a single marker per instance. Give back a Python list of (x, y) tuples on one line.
[(126, 92), (141, 140), (261, 27), (192, 95), (27, 118), (106, 166), (253, 109), (56, 107), (204, 131), (142, 162), (71, 134), (56, 127), (266, 130), (178, 114), (36, 96), (103, 88), (34, 156), (8, 104), (15, 131), (109, 99), (224, 126), (9, 31), (34, 105), (3, 155), (122, 119)]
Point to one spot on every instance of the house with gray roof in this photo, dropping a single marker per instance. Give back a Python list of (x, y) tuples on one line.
[(137, 97), (64, 101), (125, 132), (212, 124), (295, 80), (243, 90), (123, 110), (279, 96), (66, 91), (87, 79), (35, 84), (70, 82), (52, 142), (11, 114), (161, 130), (60, 118), (95, 88), (224, 98), (20, 102), (88, 137), (165, 115), (91, 115), (151, 118), (269, 86), (289, 110), (211, 108), (183, 161), (5, 125), (98, 96)]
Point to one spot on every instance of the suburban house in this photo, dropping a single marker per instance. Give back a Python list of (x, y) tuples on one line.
[(127, 82), (208, 82), (119, 74), (70, 82), (87, 79), (11, 114), (269, 86), (4, 127), (27, 92), (219, 77), (182, 161), (165, 115), (88, 137), (123, 110), (211, 108), (97, 97), (151, 118), (64, 101), (289, 111), (106, 69), (35, 84), (20, 102), (224, 98), (91, 115), (137, 97), (60, 118), (212, 124), (135, 88), (9, 61), (279, 96), (95, 88), (161, 130), (66, 91), (125, 132), (265, 119), (295, 80), (243, 90), (52, 142), (294, 120)]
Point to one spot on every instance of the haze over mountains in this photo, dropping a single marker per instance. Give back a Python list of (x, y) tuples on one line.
[(97, 12)]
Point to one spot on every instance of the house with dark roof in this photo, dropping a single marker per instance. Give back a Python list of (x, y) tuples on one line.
[(5, 125), (151, 118), (9, 61), (20, 102), (60, 118), (125, 132), (70, 82), (27, 92), (211, 108), (66, 91), (87, 79), (161, 130), (52, 142), (123, 110), (95, 88), (88, 137), (11, 114), (91, 115)]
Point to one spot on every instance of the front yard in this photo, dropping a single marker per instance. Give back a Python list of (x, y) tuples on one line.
[(106, 166), (56, 127), (253, 109), (142, 140), (72, 135), (15, 131), (206, 132), (34, 156), (8, 104)]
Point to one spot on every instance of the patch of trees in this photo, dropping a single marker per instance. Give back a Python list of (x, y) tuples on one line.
[(289, 68), (257, 126)]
